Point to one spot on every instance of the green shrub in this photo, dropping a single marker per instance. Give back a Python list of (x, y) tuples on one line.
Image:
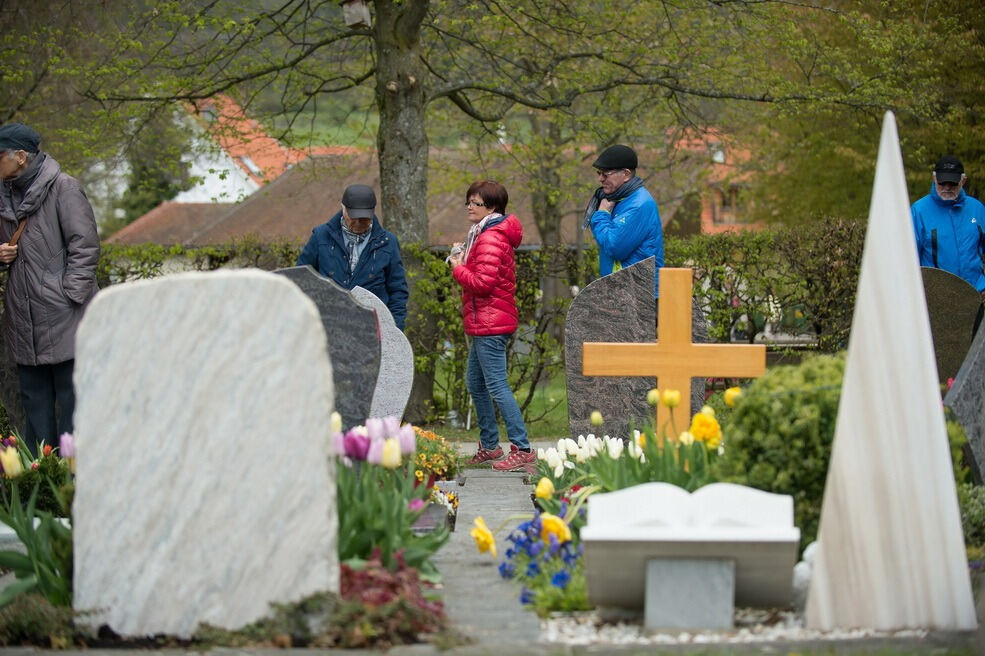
[(972, 501), (780, 434)]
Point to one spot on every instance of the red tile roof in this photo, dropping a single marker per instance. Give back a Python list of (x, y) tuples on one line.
[(169, 223)]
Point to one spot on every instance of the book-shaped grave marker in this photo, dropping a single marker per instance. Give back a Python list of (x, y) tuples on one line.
[(686, 558)]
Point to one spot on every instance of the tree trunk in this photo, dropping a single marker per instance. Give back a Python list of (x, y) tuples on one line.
[(403, 150)]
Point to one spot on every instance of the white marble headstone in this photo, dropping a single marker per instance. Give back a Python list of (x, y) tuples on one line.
[(396, 361), (890, 547), (719, 521), (205, 490)]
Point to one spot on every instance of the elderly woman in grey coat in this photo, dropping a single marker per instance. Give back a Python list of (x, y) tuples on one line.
[(51, 247)]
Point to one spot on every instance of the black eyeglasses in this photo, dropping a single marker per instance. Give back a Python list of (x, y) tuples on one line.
[(474, 203)]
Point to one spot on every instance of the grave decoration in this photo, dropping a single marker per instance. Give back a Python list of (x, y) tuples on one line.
[(674, 360), (890, 502), (380, 498)]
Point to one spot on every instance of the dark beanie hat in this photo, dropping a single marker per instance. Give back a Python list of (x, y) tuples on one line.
[(17, 136), (617, 157)]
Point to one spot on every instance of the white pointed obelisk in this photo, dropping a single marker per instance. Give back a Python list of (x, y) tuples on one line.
[(890, 547)]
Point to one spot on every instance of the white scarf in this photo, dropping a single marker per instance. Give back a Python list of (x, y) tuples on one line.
[(474, 233)]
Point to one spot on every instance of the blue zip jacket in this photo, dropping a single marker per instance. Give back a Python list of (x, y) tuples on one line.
[(949, 235), (379, 269), (630, 234)]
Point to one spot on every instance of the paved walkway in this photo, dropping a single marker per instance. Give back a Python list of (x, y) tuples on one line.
[(479, 603)]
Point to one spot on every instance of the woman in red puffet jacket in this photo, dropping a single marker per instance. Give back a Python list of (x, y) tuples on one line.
[(485, 268)]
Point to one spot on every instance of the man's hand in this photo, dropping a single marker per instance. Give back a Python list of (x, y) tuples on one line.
[(606, 205), (455, 260), (8, 253)]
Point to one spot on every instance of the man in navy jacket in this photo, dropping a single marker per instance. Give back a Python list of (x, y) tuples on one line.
[(354, 250), (949, 225)]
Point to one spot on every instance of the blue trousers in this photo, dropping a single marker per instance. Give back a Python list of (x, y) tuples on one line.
[(487, 383)]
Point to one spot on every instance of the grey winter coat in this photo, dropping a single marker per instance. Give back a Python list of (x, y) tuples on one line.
[(54, 275)]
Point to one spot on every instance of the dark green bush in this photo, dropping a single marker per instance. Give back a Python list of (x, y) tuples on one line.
[(972, 501), (779, 436)]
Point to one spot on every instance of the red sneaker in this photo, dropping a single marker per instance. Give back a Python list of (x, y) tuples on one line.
[(517, 460), (484, 455)]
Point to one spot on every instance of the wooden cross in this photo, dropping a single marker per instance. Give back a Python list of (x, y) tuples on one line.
[(674, 359)]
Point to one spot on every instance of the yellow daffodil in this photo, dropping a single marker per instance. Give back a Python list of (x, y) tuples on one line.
[(545, 488), (732, 396), (391, 453), (483, 537), (653, 397), (640, 439), (671, 398), (595, 418), (552, 524), (11, 461), (705, 428)]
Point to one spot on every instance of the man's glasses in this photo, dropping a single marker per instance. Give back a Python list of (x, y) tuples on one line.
[(605, 173), (474, 203)]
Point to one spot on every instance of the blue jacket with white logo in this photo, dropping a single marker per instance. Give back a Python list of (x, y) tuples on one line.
[(630, 234), (951, 235), (379, 269)]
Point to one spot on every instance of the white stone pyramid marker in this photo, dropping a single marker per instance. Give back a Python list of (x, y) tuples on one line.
[(891, 550)]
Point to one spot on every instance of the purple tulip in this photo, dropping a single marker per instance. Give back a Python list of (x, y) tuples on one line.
[(408, 440), (356, 445), (67, 445), (374, 428)]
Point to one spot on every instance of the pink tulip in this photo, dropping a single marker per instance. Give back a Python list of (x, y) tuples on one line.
[(408, 440), (374, 428), (67, 445), (338, 444), (415, 504), (391, 426), (375, 453)]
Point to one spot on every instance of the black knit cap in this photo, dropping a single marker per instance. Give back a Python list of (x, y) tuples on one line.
[(617, 157), (17, 136)]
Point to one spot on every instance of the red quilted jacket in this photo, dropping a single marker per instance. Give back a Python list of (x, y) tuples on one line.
[(488, 279)]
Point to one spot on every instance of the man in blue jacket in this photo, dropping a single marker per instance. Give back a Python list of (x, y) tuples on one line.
[(949, 225), (623, 215), (354, 250)]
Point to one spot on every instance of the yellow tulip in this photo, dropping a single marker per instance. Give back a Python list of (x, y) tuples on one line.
[(552, 524), (671, 398), (653, 397), (391, 453), (483, 537), (595, 418), (686, 438), (545, 488), (708, 410), (732, 396), (11, 461), (336, 423)]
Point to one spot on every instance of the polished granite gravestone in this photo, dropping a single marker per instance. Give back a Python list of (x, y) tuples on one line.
[(353, 342), (687, 558), (952, 305), (618, 307), (966, 398), (205, 485), (891, 551), (396, 361)]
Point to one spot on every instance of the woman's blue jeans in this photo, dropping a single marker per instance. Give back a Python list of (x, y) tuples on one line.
[(486, 380)]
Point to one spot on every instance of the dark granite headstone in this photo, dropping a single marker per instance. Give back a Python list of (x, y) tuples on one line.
[(952, 305), (353, 342), (617, 308), (967, 399)]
